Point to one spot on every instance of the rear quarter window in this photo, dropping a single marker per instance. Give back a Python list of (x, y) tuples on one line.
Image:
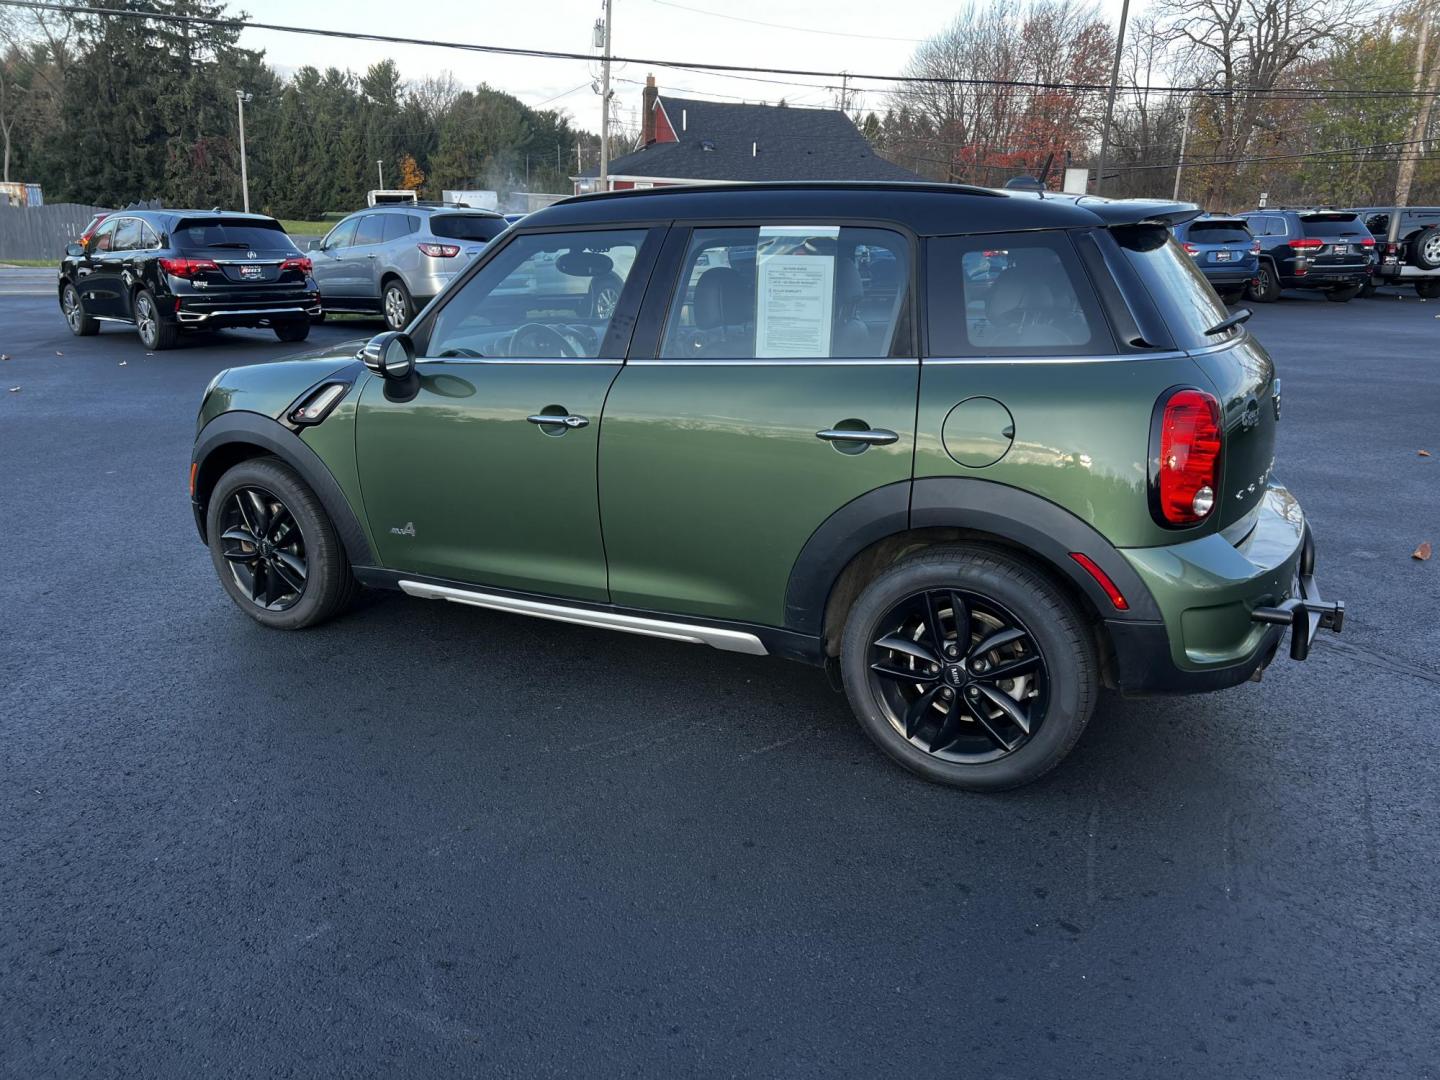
[(1011, 294), (466, 226), (1175, 284)]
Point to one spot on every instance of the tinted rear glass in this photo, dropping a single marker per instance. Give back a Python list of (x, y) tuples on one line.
[(1175, 284), (1332, 225), (212, 233), (467, 226), (1219, 232)]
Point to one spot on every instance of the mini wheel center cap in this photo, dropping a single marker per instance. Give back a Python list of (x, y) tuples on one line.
[(956, 675)]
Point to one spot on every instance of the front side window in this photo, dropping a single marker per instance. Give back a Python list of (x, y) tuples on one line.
[(1011, 294), (546, 295), (341, 235), (103, 238), (791, 292)]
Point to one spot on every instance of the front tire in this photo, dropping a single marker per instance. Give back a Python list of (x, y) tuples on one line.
[(155, 333), (274, 548), (1343, 296), (396, 305), (969, 668), (81, 325), (1266, 287)]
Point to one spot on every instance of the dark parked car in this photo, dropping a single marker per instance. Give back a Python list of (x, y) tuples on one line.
[(1413, 255), (977, 453), (164, 271), (1224, 250), (1329, 250)]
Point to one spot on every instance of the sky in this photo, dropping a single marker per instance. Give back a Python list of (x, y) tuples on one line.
[(841, 36)]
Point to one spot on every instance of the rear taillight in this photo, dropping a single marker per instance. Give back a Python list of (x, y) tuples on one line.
[(1185, 462), (1392, 249), (1307, 243), (1368, 241), (186, 268), (1191, 248), (440, 251), (301, 263)]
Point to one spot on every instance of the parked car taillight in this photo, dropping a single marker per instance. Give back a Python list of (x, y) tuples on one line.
[(1368, 242), (440, 251), (301, 263), (1191, 248), (1185, 462), (186, 268), (1307, 243)]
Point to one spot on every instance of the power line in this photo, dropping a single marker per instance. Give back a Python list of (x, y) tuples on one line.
[(690, 65), (785, 26)]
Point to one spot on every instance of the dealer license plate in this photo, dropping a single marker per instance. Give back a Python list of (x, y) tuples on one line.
[(252, 271)]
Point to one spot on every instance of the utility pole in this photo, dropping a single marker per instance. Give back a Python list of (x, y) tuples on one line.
[(1184, 138), (1110, 98), (1411, 155), (241, 97), (380, 168), (605, 104)]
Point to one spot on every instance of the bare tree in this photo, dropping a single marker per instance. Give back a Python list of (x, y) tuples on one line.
[(1247, 48)]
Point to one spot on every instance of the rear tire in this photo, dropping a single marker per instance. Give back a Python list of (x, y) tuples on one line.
[(1428, 290), (81, 325), (292, 331), (291, 541), (1343, 296), (155, 333), (923, 703), (1266, 287), (1231, 296), (1368, 290), (396, 305)]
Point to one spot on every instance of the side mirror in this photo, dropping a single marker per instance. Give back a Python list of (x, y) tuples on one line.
[(75, 251), (390, 355), (315, 245)]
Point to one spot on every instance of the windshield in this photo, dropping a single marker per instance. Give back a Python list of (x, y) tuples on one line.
[(195, 233), (1219, 232), (467, 226), (1185, 299)]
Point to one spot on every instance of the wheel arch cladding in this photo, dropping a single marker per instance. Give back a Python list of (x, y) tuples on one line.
[(234, 437), (870, 532)]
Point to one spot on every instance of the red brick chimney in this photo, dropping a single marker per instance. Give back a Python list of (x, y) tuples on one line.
[(652, 96)]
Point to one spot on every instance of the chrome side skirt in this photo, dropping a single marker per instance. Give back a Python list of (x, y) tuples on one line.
[(715, 637)]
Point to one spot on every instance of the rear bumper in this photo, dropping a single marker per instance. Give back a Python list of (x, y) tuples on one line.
[(1324, 278), (212, 316), (1224, 607)]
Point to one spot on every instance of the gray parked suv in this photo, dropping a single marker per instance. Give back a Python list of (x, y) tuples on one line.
[(394, 259)]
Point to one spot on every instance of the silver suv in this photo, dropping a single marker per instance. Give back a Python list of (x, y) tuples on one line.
[(394, 259)]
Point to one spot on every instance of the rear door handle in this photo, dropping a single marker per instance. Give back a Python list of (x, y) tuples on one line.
[(869, 436), (551, 419)]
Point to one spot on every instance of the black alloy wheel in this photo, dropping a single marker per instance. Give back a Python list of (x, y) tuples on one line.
[(263, 543), (959, 676)]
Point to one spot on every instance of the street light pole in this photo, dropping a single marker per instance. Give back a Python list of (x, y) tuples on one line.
[(380, 168), (1110, 99), (241, 97), (605, 105)]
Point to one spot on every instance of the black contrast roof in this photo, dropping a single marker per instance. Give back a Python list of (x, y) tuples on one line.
[(722, 141), (926, 208)]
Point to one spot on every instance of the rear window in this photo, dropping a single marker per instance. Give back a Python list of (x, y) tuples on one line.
[(1011, 294), (1219, 232), (467, 226), (1176, 285), (1332, 225), (214, 233)]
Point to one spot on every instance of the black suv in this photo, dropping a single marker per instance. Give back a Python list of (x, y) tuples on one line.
[(164, 271), (1329, 250), (1407, 239)]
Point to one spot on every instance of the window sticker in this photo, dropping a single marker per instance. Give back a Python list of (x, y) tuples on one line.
[(795, 290)]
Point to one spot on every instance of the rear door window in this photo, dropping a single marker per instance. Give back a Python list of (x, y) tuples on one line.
[(467, 226), (1175, 284), (371, 230), (397, 226), (1011, 294), (789, 292), (127, 235)]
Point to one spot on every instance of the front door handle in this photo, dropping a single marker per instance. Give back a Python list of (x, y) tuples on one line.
[(869, 436), (552, 419)]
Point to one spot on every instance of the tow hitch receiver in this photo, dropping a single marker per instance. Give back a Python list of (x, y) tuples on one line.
[(1307, 614)]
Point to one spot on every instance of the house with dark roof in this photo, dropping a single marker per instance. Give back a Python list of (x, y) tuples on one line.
[(688, 141)]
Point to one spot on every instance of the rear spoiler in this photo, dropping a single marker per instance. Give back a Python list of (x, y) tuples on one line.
[(1139, 211)]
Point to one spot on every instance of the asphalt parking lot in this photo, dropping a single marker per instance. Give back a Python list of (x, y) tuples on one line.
[(425, 840)]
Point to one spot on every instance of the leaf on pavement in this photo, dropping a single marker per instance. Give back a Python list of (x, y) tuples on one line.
[(4, 356), (123, 362), (59, 353), (1422, 552), (14, 389), (1423, 453)]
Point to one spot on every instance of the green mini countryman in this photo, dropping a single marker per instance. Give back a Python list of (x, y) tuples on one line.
[(977, 453)]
